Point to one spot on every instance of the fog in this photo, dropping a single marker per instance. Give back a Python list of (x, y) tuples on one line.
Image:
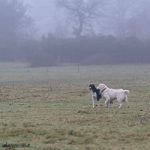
[(44, 15), (57, 32), (115, 17)]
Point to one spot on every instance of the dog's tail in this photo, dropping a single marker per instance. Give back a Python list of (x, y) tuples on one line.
[(126, 91)]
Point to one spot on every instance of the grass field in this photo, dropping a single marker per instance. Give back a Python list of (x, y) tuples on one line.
[(51, 109)]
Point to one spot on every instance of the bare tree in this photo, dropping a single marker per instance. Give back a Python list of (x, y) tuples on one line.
[(81, 13)]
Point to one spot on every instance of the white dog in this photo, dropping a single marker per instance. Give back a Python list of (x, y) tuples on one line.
[(111, 94)]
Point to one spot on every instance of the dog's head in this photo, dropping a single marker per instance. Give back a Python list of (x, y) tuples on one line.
[(92, 88), (102, 87)]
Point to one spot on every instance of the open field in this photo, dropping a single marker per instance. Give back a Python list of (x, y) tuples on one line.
[(51, 109)]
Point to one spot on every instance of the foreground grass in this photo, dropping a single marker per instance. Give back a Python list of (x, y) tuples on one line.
[(50, 109)]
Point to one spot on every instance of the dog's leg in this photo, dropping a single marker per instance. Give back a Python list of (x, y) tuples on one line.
[(93, 100), (107, 102), (126, 100), (120, 105)]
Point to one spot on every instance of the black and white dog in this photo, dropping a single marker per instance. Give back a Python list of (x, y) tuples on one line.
[(96, 95)]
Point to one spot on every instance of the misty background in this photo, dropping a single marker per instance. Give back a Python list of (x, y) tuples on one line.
[(57, 32)]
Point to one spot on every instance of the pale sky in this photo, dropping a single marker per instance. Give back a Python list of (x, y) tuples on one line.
[(44, 14)]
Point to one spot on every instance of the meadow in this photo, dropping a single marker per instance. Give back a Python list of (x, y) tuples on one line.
[(50, 108)]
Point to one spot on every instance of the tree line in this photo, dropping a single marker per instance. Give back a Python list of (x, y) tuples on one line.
[(91, 50)]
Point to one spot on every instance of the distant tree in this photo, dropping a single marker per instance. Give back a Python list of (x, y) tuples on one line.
[(13, 19), (81, 13)]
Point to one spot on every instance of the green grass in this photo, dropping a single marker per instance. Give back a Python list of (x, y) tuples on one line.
[(50, 108)]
